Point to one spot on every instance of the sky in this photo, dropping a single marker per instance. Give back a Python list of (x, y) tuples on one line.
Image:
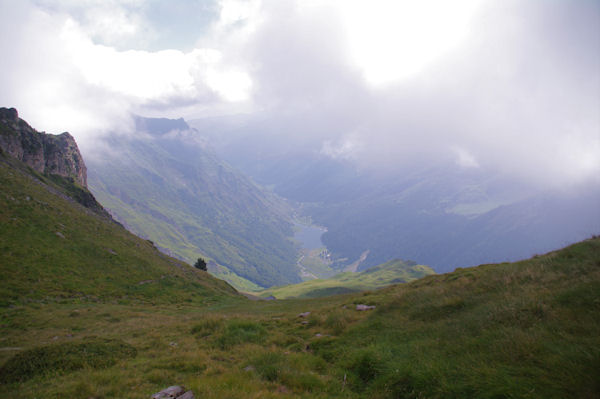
[(510, 86)]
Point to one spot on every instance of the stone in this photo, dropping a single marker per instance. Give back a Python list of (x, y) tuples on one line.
[(304, 314), (45, 153), (365, 307), (175, 391)]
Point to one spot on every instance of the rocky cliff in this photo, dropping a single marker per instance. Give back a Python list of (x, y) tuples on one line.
[(45, 153)]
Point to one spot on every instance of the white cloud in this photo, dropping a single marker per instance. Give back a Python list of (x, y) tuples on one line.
[(61, 79), (464, 158), (515, 83), (394, 39), (346, 149)]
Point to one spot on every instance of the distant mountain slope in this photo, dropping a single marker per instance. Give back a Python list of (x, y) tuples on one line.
[(446, 221), (53, 248), (392, 272), (164, 184), (439, 214)]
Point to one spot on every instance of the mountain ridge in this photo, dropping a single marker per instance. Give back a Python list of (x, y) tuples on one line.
[(166, 185), (45, 153), (58, 243)]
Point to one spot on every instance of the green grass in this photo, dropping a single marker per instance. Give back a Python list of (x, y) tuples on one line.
[(54, 249), (516, 330), (392, 272), (240, 283), (97, 312), (64, 357)]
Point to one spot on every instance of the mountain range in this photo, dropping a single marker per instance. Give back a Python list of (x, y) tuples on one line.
[(59, 244), (164, 183), (437, 213), (87, 309)]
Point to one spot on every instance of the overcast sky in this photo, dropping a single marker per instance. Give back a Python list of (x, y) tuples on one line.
[(504, 85)]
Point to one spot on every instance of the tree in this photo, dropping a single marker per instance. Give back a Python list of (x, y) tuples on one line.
[(200, 264)]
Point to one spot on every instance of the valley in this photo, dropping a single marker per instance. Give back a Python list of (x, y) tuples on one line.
[(164, 184), (89, 310), (292, 199)]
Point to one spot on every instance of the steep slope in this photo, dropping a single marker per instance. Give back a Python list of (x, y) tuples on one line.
[(57, 243), (164, 183)]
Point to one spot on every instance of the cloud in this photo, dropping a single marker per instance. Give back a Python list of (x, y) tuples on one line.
[(464, 158), (521, 92), (61, 79), (510, 86), (346, 149)]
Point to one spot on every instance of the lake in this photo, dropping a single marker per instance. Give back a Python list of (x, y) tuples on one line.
[(309, 236)]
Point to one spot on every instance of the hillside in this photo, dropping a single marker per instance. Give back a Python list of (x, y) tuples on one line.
[(164, 184), (58, 244), (392, 272), (513, 330)]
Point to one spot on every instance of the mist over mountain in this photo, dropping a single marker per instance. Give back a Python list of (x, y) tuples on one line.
[(439, 213), (165, 184)]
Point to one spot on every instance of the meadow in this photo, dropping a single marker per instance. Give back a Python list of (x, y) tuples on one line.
[(517, 330)]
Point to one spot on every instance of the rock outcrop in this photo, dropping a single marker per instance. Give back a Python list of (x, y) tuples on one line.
[(45, 153)]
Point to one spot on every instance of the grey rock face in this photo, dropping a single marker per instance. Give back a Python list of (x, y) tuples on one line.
[(45, 153)]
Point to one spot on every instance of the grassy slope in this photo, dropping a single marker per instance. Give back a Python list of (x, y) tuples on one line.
[(186, 200), (521, 330), (52, 248), (392, 272)]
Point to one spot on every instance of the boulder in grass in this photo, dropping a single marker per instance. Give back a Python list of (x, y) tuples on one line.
[(174, 391), (365, 307)]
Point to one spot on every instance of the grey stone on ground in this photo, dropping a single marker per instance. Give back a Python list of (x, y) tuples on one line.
[(175, 391), (364, 307), (187, 395)]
